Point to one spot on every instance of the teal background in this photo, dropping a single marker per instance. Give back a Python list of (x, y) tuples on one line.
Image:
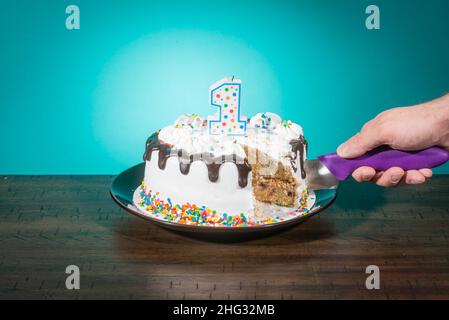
[(84, 101)]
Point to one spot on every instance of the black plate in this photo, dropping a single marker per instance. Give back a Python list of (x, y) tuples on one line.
[(124, 185)]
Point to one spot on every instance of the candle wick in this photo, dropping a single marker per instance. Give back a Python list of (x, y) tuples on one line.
[(232, 78)]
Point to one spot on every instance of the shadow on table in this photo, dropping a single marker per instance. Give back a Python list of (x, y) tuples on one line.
[(360, 197), (309, 230), (139, 241), (355, 203)]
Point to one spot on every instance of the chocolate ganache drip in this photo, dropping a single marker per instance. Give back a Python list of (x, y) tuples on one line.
[(213, 164), (299, 145)]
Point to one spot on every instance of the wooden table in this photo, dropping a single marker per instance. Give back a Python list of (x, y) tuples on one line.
[(49, 222)]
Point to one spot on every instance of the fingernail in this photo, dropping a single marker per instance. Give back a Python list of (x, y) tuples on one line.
[(342, 150), (366, 178), (395, 178)]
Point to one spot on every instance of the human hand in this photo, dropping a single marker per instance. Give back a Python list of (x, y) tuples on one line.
[(406, 128)]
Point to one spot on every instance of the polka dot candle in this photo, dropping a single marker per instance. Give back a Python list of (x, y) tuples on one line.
[(225, 94)]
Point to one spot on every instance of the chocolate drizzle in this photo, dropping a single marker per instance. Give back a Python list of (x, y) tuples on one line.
[(213, 164), (299, 145)]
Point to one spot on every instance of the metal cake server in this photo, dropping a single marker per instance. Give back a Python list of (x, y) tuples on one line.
[(328, 170)]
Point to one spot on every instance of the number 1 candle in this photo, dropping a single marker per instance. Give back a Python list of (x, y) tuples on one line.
[(225, 94)]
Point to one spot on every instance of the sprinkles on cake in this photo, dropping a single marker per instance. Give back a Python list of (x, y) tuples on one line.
[(192, 214)]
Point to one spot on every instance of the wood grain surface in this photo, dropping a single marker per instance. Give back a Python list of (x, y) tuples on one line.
[(49, 222)]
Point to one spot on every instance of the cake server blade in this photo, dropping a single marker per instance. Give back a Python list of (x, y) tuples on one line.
[(318, 176), (325, 172)]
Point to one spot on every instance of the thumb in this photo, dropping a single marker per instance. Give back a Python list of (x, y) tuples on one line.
[(359, 144)]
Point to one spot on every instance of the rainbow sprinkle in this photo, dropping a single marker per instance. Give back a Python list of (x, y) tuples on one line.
[(287, 123), (193, 214)]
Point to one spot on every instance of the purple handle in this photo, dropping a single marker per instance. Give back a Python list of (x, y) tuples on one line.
[(384, 158)]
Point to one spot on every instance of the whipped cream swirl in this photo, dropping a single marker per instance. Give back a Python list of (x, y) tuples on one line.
[(266, 131)]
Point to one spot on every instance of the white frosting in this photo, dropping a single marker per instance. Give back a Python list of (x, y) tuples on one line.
[(195, 187), (273, 137), (265, 120), (288, 130), (193, 121), (224, 195)]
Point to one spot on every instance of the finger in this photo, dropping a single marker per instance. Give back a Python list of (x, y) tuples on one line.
[(427, 173), (363, 174), (391, 177), (360, 144), (377, 176), (414, 177)]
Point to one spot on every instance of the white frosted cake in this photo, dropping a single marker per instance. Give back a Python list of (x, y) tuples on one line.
[(195, 177)]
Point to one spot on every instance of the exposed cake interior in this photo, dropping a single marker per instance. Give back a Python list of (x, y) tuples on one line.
[(273, 180)]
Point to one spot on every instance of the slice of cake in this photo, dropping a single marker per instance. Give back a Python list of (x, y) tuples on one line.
[(194, 177)]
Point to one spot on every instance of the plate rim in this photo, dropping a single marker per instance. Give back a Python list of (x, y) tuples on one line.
[(218, 229)]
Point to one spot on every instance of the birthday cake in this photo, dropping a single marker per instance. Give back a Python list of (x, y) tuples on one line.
[(225, 170)]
